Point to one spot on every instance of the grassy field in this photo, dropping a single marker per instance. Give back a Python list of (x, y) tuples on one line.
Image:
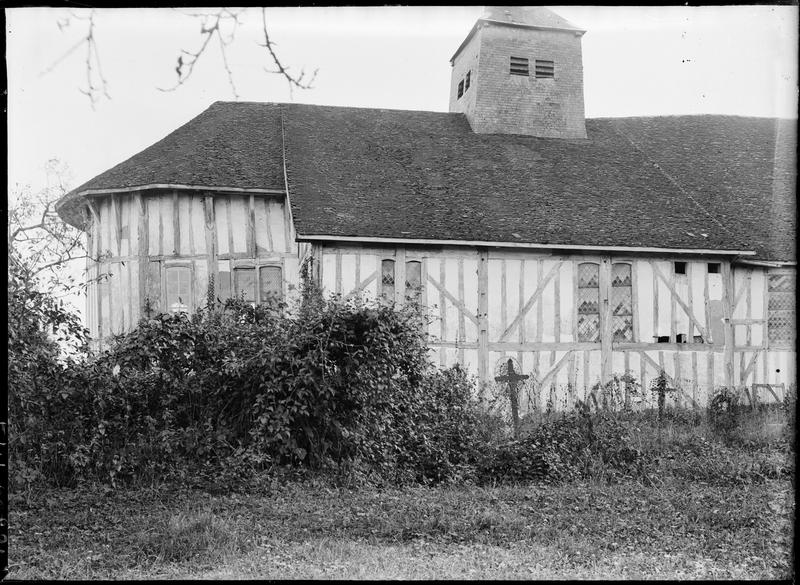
[(703, 507), (304, 529)]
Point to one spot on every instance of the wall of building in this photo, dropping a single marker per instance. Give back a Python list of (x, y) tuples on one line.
[(140, 236), (515, 104), (487, 305)]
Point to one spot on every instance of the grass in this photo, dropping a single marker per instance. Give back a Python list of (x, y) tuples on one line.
[(308, 530), (709, 506)]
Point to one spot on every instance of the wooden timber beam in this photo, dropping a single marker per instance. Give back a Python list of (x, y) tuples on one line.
[(533, 299), (679, 300)]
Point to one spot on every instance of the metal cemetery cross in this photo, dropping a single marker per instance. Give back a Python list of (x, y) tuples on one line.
[(512, 378)]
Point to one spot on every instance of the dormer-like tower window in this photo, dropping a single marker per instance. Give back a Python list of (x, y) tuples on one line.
[(544, 69), (519, 66)]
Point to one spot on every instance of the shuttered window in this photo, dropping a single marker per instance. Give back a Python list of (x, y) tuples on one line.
[(519, 66), (588, 301), (621, 302), (179, 289), (460, 88), (781, 310), (387, 280), (544, 69)]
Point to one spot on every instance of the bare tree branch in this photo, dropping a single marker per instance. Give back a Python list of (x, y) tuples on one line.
[(281, 70), (211, 25), (185, 68), (96, 84)]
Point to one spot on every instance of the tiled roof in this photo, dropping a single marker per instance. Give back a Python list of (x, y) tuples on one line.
[(743, 170), (690, 182), (228, 145)]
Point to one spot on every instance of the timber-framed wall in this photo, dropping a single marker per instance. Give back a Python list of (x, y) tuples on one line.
[(700, 318), (159, 247)]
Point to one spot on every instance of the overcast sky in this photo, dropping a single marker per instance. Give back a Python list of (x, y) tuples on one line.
[(637, 61), (739, 60)]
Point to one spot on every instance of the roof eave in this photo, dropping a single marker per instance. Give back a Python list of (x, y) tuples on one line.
[(507, 244), (577, 31)]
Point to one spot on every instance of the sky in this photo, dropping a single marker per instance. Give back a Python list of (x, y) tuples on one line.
[(738, 60)]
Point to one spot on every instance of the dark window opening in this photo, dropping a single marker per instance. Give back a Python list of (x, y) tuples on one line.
[(544, 69), (663, 339), (680, 338), (460, 88), (713, 267), (519, 66), (680, 268), (466, 81)]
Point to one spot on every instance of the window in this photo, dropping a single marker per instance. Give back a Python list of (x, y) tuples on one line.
[(270, 284), (413, 280), (466, 81), (387, 280), (781, 310), (460, 88), (268, 288), (519, 66), (244, 284), (680, 267), (621, 303), (588, 302), (179, 289), (713, 267), (544, 69)]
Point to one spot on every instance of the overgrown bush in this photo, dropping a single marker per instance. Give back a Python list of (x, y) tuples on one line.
[(724, 412), (229, 392), (579, 444)]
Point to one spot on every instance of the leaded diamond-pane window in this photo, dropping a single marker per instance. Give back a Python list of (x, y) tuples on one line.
[(621, 275), (781, 309), (621, 302), (271, 285), (588, 302), (588, 275), (387, 279)]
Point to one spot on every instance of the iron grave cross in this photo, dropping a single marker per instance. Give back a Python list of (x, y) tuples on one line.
[(512, 378)]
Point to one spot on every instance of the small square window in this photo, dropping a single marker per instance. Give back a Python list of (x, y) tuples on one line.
[(460, 88), (713, 267), (519, 66), (680, 268)]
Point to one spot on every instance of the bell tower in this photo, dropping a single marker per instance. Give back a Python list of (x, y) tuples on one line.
[(520, 71)]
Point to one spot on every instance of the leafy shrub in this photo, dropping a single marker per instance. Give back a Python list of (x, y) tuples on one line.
[(724, 412), (222, 394), (580, 444), (443, 434)]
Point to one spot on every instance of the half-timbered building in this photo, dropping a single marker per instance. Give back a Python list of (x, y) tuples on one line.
[(579, 248)]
